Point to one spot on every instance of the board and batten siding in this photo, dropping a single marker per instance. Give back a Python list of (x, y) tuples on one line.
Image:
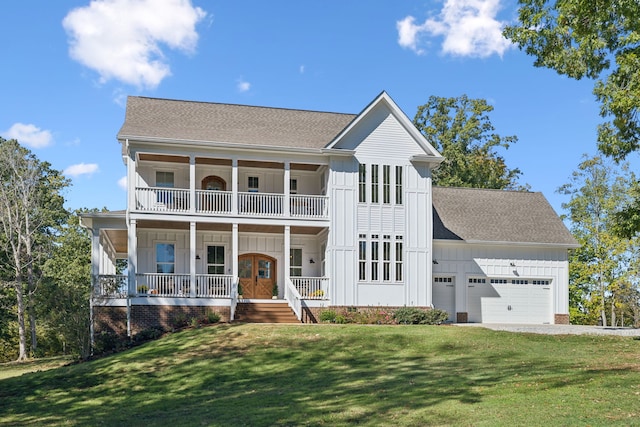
[(461, 260)]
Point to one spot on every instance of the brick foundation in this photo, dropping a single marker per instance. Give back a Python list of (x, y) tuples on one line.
[(114, 319), (462, 317), (561, 319)]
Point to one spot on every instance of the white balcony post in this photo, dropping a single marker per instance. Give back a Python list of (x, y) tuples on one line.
[(287, 188), (234, 186), (192, 259), (234, 252), (192, 183), (131, 180), (287, 253), (95, 256), (133, 256)]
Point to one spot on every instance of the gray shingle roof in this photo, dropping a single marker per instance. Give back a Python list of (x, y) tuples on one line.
[(471, 214), (229, 123)]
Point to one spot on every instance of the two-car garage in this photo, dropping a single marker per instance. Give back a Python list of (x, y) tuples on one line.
[(498, 300)]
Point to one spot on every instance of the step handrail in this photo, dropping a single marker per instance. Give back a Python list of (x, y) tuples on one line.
[(293, 297)]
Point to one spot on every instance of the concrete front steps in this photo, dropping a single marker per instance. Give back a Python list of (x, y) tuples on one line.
[(274, 311)]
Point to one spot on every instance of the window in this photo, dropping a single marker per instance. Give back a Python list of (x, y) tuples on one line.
[(253, 184), (442, 279), (295, 266), (386, 184), (375, 256), (293, 186), (398, 259), (398, 185), (165, 258), (164, 179), (374, 184), (541, 282), (386, 260), (499, 281), (215, 259), (477, 280), (323, 260), (362, 258), (519, 282), (362, 183)]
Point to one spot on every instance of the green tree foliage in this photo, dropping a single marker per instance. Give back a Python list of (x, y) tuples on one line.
[(603, 271), (596, 39), (64, 297), (461, 130), (31, 208)]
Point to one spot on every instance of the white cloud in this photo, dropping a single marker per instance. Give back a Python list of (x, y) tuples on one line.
[(29, 135), (302, 69), (81, 169), (243, 86), (469, 28), (122, 39), (122, 183)]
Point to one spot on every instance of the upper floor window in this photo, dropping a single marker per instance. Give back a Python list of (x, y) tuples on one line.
[(386, 184), (253, 184), (293, 186), (398, 185), (362, 183), (164, 179), (165, 258), (362, 257), (374, 184)]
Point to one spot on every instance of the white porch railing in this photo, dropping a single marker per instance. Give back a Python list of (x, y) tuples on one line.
[(312, 287), (213, 202), (110, 285), (309, 206), (160, 199), (293, 298), (262, 204), (234, 300), (214, 285), (163, 285)]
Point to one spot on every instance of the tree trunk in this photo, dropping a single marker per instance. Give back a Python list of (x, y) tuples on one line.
[(22, 332), (603, 317), (32, 312), (613, 313)]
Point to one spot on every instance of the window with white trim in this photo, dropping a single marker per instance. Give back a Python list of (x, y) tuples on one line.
[(362, 183), (374, 184), (398, 258), (386, 259), (165, 258), (541, 282), (375, 257), (215, 259), (398, 185), (253, 184), (295, 265), (477, 280), (362, 257), (293, 186), (442, 279), (386, 184)]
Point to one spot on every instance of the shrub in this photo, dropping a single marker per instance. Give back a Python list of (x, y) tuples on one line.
[(108, 342), (328, 316), (418, 316), (148, 334), (435, 316), (213, 317)]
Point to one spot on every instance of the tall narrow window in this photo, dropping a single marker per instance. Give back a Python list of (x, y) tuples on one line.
[(386, 260), (295, 267), (398, 259), (164, 180), (323, 260), (386, 184), (374, 184), (165, 258), (362, 258), (253, 184), (398, 185), (375, 257), (215, 259), (293, 186), (362, 183)]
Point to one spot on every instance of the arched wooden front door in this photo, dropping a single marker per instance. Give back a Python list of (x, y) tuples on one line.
[(257, 274)]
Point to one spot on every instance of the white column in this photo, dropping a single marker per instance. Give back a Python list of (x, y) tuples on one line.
[(192, 258), (234, 186), (234, 252), (192, 183), (131, 180), (133, 255), (95, 255), (287, 253), (287, 189)]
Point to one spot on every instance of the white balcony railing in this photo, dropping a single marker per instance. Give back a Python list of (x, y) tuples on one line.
[(110, 285), (294, 300), (210, 202), (163, 285), (214, 285), (312, 287), (159, 199), (213, 202)]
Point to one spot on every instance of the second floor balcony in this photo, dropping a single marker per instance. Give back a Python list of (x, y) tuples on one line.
[(227, 203)]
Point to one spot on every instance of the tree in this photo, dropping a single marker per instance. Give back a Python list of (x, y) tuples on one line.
[(461, 130), (30, 207), (601, 271), (64, 299), (596, 39)]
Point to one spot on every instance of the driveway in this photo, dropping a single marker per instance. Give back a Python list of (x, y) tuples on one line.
[(557, 329)]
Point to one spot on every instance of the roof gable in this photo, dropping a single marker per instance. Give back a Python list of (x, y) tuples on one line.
[(176, 121), (480, 215), (373, 115)]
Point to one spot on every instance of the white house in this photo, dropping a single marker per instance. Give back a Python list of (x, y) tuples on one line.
[(317, 209)]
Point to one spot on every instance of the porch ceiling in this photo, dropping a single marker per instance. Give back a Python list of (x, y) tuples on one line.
[(226, 162), (242, 228), (118, 239)]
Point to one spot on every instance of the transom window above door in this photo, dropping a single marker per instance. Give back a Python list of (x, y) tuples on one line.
[(214, 183)]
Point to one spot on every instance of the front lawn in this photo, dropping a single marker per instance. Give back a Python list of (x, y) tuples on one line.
[(339, 374)]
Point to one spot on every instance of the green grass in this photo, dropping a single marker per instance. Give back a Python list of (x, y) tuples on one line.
[(337, 375)]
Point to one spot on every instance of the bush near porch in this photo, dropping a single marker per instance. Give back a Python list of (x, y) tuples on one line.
[(384, 316)]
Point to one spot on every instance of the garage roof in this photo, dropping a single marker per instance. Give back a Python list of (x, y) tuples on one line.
[(481, 215)]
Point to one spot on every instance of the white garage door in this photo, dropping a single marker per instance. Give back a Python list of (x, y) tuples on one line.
[(443, 293), (525, 301)]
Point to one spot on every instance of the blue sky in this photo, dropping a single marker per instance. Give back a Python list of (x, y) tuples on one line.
[(68, 66)]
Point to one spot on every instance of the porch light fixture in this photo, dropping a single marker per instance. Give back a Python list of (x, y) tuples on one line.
[(311, 261), (435, 261), (198, 257), (512, 264)]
